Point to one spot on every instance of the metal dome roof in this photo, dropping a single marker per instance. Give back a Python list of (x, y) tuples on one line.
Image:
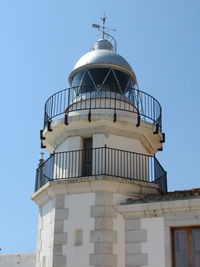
[(103, 56)]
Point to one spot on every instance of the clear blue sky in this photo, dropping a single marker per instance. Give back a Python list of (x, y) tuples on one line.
[(40, 43)]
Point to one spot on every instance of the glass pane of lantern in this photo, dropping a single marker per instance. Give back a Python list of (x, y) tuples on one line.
[(111, 84), (78, 78), (123, 79), (98, 75), (87, 84)]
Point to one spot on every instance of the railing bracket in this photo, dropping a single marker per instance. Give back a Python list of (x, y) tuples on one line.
[(115, 117), (41, 135), (89, 116), (138, 121), (49, 126), (66, 119), (163, 138), (42, 146), (156, 130)]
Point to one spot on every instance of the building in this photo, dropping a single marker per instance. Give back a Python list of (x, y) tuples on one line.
[(102, 194)]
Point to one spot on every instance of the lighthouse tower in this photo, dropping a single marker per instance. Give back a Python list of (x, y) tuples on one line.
[(102, 134)]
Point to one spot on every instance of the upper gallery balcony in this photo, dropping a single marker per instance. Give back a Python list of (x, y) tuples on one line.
[(92, 98)]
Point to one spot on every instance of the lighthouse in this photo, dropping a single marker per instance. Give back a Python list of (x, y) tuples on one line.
[(102, 134)]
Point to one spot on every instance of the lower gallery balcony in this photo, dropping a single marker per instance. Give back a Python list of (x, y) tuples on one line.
[(101, 161)]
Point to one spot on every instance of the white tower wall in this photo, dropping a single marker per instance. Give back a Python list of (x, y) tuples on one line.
[(71, 143), (79, 225)]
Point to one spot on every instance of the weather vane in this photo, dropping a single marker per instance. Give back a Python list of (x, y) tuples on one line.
[(104, 18), (104, 30)]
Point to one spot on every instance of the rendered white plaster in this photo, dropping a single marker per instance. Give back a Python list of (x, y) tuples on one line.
[(69, 166), (20, 259), (154, 246), (79, 206), (71, 143), (125, 143), (99, 140), (118, 142), (45, 240), (118, 163)]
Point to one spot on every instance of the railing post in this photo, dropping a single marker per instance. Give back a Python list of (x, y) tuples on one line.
[(160, 176), (49, 126), (51, 110), (155, 168), (66, 119), (165, 180), (45, 115), (36, 180), (138, 120), (67, 109), (105, 160), (115, 114), (40, 165), (89, 114)]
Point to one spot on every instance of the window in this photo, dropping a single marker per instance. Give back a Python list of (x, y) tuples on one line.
[(78, 237), (186, 246)]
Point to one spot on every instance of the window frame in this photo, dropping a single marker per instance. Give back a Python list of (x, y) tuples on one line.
[(189, 241)]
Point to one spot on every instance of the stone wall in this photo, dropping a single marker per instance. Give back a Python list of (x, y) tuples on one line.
[(16, 260)]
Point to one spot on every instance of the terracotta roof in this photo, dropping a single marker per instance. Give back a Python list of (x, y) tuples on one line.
[(178, 194)]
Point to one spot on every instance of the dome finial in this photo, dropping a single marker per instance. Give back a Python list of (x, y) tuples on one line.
[(104, 30), (104, 18)]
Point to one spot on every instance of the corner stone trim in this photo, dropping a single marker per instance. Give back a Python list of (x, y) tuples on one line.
[(60, 238), (134, 236), (103, 236)]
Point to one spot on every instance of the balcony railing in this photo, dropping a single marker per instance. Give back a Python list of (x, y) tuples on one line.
[(86, 98), (101, 161)]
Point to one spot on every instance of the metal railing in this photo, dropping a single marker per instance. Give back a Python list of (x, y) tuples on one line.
[(101, 161), (86, 98)]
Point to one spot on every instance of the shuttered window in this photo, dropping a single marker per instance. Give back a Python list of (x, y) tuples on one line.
[(186, 246), (196, 247)]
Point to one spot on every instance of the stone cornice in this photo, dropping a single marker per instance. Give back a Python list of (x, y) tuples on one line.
[(159, 208), (94, 184), (103, 123), (176, 195)]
